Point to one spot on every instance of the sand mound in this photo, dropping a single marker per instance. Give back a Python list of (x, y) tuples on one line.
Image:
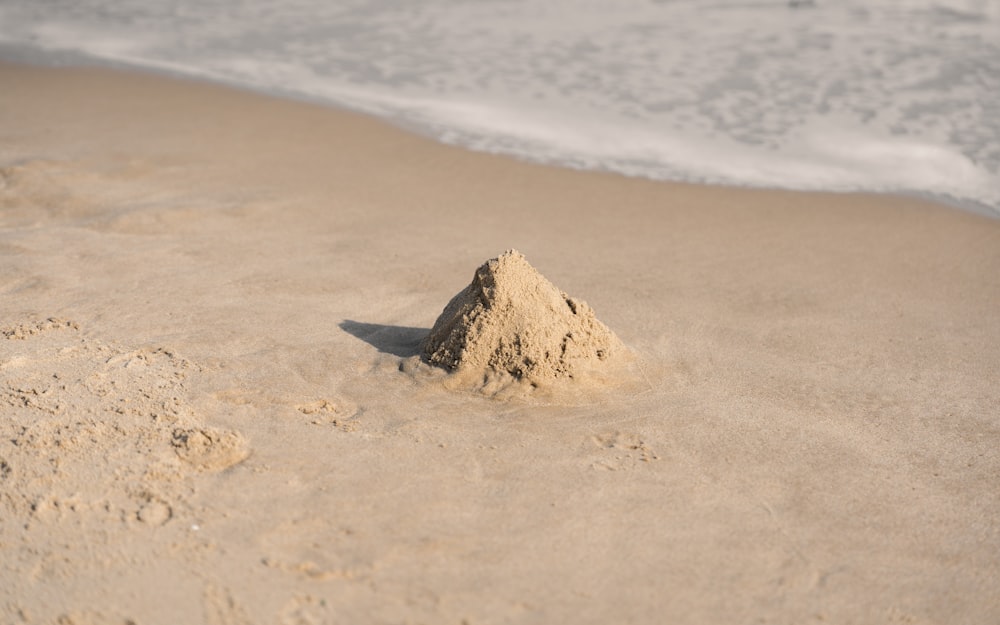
[(511, 324)]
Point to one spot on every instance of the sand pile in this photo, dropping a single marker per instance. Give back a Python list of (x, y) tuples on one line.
[(511, 324)]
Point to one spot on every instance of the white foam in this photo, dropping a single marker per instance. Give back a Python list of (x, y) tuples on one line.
[(828, 154)]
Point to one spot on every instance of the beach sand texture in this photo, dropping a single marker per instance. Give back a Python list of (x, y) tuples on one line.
[(213, 407)]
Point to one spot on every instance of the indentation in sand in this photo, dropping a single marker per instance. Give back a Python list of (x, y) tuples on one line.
[(210, 449), (512, 325), (154, 511), (327, 412)]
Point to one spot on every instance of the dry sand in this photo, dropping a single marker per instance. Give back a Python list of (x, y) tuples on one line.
[(213, 409)]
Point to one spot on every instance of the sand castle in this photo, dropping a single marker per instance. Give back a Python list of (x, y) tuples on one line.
[(511, 323)]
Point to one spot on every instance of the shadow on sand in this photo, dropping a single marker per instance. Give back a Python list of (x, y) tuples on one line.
[(396, 340)]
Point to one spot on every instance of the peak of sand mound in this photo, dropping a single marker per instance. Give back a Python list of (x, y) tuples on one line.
[(511, 324)]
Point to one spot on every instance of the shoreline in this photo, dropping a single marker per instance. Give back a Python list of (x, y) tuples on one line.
[(212, 409), (19, 54)]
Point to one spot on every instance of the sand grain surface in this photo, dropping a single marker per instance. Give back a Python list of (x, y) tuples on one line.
[(213, 407)]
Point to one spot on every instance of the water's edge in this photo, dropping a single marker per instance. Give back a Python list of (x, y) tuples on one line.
[(26, 55)]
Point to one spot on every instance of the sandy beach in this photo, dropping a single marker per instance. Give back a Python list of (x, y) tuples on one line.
[(213, 407)]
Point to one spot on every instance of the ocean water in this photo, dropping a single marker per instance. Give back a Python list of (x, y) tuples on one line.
[(877, 95)]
